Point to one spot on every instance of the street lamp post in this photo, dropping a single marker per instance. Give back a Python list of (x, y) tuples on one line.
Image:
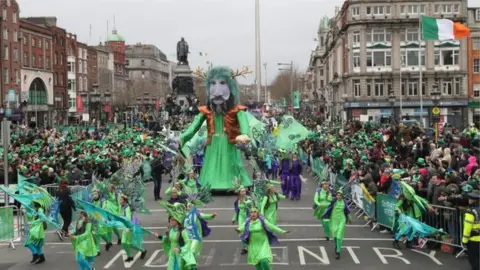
[(258, 61), (266, 94), (436, 111), (290, 65), (391, 100)]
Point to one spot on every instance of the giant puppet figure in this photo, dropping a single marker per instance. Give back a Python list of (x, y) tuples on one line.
[(227, 126)]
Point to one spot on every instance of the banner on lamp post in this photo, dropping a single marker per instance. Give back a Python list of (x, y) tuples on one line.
[(296, 99), (6, 224)]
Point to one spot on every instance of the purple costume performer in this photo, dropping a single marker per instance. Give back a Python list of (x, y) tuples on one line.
[(295, 180), (275, 166), (284, 176)]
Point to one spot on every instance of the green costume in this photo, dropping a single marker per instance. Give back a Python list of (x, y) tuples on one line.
[(259, 250), (191, 183), (101, 231), (183, 259), (84, 244), (223, 160), (240, 213), (131, 238), (196, 245), (338, 223), (322, 200), (36, 234), (112, 204), (269, 205)]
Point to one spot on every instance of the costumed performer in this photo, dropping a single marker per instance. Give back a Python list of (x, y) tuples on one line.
[(285, 173), (227, 125), (339, 215), (131, 237), (241, 208), (295, 181), (112, 204), (323, 198), (195, 223), (258, 234), (36, 234), (83, 243), (191, 181), (269, 204), (176, 242), (101, 231)]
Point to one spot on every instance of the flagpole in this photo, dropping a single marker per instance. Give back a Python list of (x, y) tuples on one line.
[(420, 38)]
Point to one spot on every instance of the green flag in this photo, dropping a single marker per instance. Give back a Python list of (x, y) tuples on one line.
[(296, 99), (284, 102)]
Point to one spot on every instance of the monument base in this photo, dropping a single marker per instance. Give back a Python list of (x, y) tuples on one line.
[(183, 85)]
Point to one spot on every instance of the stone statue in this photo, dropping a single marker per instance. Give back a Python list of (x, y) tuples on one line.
[(182, 52)]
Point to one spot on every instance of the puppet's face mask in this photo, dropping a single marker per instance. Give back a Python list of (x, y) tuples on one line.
[(219, 91)]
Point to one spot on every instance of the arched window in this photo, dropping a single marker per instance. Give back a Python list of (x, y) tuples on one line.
[(85, 84)]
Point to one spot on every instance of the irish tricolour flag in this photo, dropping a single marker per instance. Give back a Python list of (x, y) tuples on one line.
[(442, 29)]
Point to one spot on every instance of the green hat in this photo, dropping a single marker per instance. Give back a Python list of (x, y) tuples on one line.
[(178, 211), (421, 161), (467, 188)]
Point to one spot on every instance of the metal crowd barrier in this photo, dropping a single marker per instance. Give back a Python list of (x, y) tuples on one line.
[(451, 221), (11, 224)]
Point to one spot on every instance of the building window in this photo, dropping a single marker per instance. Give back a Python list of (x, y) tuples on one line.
[(25, 58), (61, 59), (142, 62), (412, 87), (47, 62), (15, 54), (14, 18), (85, 84), (37, 97), (410, 34), (378, 10), (15, 36), (6, 76), (447, 9), (379, 88), (127, 62), (17, 76), (6, 52), (410, 57), (80, 84), (72, 103), (4, 14), (446, 57), (369, 87), (412, 9), (476, 65), (355, 11), (356, 59), (55, 59), (379, 58), (34, 60), (55, 78), (477, 15), (356, 88), (40, 43), (71, 85), (85, 67), (476, 43), (5, 33), (25, 40), (379, 35), (80, 67), (71, 67), (47, 45), (40, 61), (356, 37), (476, 90), (61, 79), (33, 42)]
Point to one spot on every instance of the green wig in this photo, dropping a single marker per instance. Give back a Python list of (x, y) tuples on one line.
[(226, 74)]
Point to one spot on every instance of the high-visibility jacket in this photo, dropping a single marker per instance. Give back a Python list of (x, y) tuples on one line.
[(471, 226)]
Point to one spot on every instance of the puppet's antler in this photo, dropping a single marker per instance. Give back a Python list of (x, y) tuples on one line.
[(245, 70), (200, 73)]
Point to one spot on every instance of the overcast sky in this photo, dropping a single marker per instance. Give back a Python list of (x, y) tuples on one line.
[(224, 29)]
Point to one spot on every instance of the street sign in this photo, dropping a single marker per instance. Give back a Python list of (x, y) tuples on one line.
[(436, 111)]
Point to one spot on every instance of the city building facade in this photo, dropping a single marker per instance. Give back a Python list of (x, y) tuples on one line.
[(59, 64), (71, 46), (474, 65), (11, 60), (37, 73), (371, 63), (116, 43), (149, 73)]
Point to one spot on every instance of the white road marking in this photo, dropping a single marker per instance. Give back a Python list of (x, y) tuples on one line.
[(304, 179), (238, 240)]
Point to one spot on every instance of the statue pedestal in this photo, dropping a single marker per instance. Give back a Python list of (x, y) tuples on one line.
[(183, 85)]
